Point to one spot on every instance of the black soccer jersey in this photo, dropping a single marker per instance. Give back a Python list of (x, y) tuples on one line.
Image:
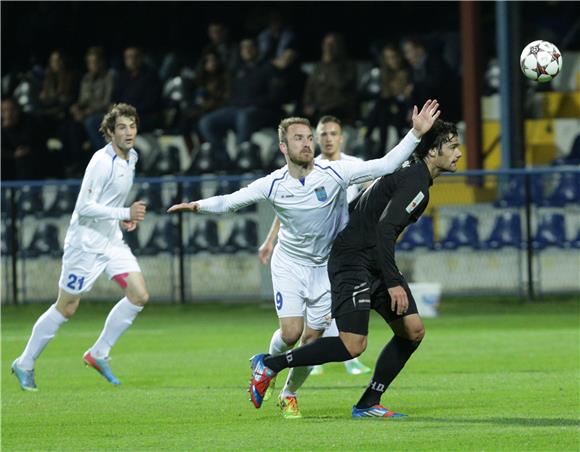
[(379, 215)]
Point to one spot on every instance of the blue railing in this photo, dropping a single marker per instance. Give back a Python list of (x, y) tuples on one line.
[(534, 211)]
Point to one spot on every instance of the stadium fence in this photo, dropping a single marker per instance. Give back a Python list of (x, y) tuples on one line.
[(512, 232)]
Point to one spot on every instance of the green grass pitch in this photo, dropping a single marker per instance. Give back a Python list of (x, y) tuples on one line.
[(490, 375)]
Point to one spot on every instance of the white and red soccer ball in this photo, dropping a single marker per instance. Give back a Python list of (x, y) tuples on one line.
[(541, 61)]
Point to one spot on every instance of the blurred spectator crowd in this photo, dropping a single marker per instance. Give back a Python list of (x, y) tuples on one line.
[(51, 115)]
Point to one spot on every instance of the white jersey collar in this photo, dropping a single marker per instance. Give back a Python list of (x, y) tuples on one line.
[(110, 151)]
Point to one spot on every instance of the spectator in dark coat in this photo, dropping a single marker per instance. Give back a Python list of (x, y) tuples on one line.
[(432, 78), (209, 92), (94, 100), (139, 86), (23, 153), (391, 106), (288, 80), (276, 38), (331, 88), (251, 104), (59, 89), (220, 43)]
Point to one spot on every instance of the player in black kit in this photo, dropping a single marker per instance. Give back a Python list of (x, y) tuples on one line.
[(364, 275)]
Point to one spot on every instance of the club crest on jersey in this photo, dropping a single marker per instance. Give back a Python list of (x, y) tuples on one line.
[(415, 202), (321, 194)]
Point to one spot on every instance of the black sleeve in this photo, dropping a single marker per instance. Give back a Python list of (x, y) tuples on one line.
[(265, 96), (151, 93), (406, 199)]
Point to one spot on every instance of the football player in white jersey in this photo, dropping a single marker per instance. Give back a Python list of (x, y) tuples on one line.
[(93, 245), (330, 140), (309, 198)]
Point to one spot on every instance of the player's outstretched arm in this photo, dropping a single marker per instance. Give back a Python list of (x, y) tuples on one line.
[(184, 207), (423, 120), (256, 191)]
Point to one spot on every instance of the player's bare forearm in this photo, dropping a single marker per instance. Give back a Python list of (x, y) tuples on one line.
[(184, 207), (265, 250), (274, 229)]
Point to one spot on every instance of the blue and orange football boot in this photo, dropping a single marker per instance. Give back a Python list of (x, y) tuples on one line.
[(101, 365), (375, 411), (25, 377)]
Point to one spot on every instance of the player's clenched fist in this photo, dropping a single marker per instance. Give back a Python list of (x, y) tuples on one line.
[(128, 225), (138, 209)]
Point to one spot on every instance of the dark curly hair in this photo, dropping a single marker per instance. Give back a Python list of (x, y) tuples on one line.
[(442, 132), (108, 124)]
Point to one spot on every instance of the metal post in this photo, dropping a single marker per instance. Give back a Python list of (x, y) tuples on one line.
[(14, 230), (472, 81), (502, 31), (508, 40), (530, 248), (181, 250)]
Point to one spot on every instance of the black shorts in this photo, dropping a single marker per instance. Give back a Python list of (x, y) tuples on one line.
[(355, 290)]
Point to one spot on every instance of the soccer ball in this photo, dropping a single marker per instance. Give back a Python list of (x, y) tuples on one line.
[(541, 61)]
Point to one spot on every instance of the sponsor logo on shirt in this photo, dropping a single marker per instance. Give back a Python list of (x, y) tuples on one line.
[(321, 194), (415, 202)]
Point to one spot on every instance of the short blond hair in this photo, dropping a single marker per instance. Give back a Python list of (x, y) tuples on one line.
[(285, 123)]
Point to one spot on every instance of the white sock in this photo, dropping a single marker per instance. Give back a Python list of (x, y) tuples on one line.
[(296, 378), (43, 331), (119, 319), (277, 345)]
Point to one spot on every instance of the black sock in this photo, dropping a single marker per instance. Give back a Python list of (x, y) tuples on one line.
[(391, 360), (323, 350)]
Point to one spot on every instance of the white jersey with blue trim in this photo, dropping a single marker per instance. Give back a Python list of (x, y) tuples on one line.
[(108, 179), (353, 190), (314, 209)]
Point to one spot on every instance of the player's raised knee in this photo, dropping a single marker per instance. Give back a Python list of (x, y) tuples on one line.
[(291, 336), (416, 334), (139, 298), (357, 349), (68, 308), (356, 344), (310, 336)]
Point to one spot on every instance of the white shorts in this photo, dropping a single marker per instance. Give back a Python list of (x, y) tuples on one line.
[(81, 269), (301, 291)]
